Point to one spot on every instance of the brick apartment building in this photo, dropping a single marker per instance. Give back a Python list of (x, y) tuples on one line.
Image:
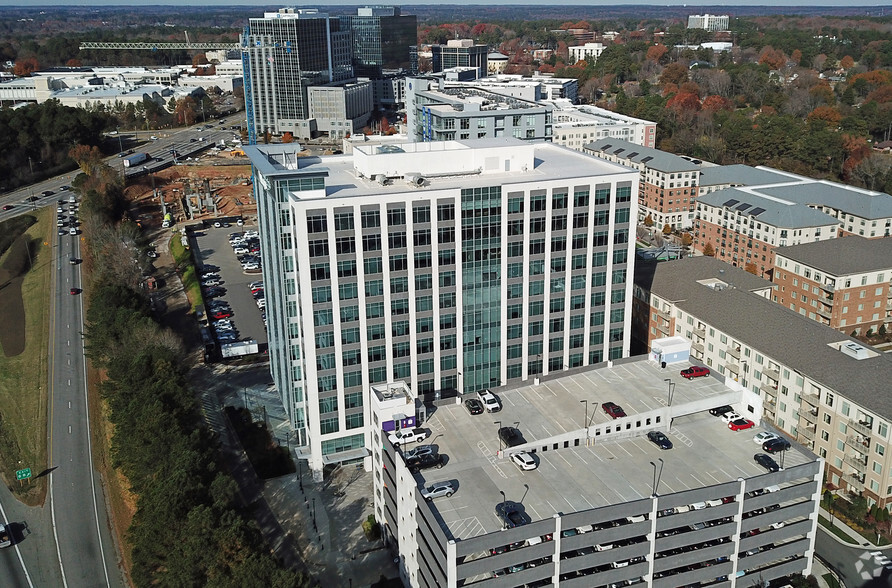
[(842, 283), (817, 385), (669, 183)]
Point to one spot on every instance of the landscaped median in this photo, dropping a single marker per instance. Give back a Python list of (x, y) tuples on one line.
[(26, 264), (186, 270)]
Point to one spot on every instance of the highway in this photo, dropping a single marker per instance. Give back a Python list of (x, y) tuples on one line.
[(85, 547), (68, 542)]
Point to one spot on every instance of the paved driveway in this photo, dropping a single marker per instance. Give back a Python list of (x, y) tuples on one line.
[(213, 249)]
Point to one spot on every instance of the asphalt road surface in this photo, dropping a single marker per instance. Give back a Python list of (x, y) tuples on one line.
[(79, 521), (855, 565)]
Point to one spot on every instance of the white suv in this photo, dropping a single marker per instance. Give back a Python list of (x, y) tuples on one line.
[(489, 400)]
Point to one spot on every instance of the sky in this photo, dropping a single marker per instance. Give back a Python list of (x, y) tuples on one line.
[(710, 3)]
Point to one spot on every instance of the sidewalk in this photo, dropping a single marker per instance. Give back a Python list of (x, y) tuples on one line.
[(856, 538)]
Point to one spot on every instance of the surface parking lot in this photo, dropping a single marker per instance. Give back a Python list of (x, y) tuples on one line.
[(212, 248)]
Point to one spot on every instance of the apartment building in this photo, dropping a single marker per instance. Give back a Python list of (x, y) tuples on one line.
[(816, 384), (576, 126), (605, 506), (339, 110), (743, 226), (437, 110), (709, 22), (452, 266), (582, 52), (842, 283), (669, 183)]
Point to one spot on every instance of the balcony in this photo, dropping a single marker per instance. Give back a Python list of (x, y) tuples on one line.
[(770, 391), (700, 331), (812, 399), (828, 287), (734, 352), (809, 414), (862, 427), (662, 313), (856, 462), (771, 374), (807, 433), (854, 482), (858, 444), (698, 347)]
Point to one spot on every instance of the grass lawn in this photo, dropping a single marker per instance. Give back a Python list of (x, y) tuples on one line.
[(835, 530), (831, 580), (23, 378), (188, 275)]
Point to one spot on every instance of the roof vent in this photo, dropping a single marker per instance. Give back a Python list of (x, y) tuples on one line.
[(414, 180), (855, 350)]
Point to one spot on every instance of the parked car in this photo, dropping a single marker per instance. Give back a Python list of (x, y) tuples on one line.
[(764, 436), (489, 401), (524, 461), (257, 284), (775, 445), (741, 424), (695, 371), (474, 406), (660, 439), (419, 451), (240, 250), (766, 462), (210, 282), (219, 314), (510, 515), (214, 292), (425, 462), (731, 416), (720, 410), (408, 435), (511, 436), (613, 410), (437, 490)]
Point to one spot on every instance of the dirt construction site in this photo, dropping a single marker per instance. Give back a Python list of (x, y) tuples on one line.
[(192, 193)]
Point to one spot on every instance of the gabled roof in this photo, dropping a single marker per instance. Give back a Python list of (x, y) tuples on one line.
[(843, 256), (773, 211), (659, 160)]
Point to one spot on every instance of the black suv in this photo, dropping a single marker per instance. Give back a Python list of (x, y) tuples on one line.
[(719, 411), (775, 445), (766, 462), (424, 462), (511, 515), (511, 436)]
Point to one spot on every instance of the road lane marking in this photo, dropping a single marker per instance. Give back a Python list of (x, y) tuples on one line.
[(69, 429)]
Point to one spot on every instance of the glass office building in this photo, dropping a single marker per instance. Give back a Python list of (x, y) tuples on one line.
[(381, 39), (453, 266), (285, 52)]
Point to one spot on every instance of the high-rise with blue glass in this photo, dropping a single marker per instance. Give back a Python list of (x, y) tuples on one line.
[(381, 39), (452, 266)]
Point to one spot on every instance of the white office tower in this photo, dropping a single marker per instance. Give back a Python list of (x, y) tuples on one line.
[(451, 266)]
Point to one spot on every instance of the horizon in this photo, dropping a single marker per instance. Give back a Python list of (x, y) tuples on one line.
[(718, 8)]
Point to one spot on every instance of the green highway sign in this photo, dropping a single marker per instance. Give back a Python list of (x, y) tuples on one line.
[(23, 474)]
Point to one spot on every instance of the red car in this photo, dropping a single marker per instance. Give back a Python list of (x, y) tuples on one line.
[(221, 314), (613, 410), (74, 291), (741, 424), (695, 371)]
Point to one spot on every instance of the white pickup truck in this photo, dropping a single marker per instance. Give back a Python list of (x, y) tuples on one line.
[(5, 536)]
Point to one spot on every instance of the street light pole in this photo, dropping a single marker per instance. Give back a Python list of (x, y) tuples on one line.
[(314, 514)]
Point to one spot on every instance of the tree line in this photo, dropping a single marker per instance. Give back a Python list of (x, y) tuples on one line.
[(188, 528)]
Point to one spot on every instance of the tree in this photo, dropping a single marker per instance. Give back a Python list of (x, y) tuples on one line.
[(751, 268), (25, 67), (648, 221), (657, 52), (709, 250), (674, 73), (199, 60), (773, 58), (86, 157), (185, 111), (687, 240), (667, 229), (847, 62), (287, 137)]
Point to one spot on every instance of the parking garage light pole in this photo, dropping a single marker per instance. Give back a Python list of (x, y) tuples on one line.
[(504, 501), (585, 417), (499, 423)]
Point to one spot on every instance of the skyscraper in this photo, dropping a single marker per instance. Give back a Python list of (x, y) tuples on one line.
[(453, 266), (284, 53), (381, 39), (460, 53)]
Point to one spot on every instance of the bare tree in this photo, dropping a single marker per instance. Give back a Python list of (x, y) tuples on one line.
[(874, 171)]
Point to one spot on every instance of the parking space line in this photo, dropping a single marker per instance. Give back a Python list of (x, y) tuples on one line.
[(565, 459)]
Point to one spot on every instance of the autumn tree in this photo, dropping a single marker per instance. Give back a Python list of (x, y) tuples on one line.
[(773, 58), (287, 137), (185, 111), (648, 221), (674, 73), (667, 228), (657, 52), (716, 103), (796, 56), (751, 268), (86, 157), (73, 63), (25, 67), (847, 62), (709, 250), (827, 114)]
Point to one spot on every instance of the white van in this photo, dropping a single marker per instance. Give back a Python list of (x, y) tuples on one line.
[(489, 400)]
